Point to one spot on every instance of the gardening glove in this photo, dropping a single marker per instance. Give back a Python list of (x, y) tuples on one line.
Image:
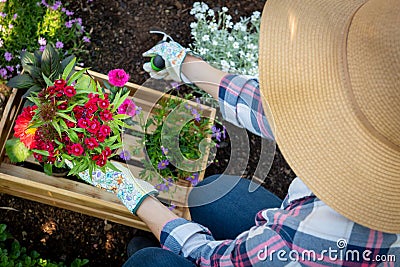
[(129, 190), (174, 55)]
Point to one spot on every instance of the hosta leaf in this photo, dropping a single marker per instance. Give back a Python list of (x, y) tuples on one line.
[(28, 58), (16, 150), (23, 81), (51, 65)]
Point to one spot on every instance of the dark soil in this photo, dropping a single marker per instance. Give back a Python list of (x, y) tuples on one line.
[(120, 34)]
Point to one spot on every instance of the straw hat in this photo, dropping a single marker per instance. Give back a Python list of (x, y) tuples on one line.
[(330, 71)]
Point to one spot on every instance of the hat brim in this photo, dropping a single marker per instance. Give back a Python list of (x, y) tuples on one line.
[(304, 79)]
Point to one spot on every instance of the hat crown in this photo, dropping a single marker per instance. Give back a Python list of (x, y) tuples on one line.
[(375, 79)]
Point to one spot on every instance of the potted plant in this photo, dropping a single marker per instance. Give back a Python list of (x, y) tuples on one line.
[(72, 118)]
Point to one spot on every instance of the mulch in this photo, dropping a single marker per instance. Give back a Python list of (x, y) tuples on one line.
[(120, 34)]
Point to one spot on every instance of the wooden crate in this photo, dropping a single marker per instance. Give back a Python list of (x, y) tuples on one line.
[(28, 181)]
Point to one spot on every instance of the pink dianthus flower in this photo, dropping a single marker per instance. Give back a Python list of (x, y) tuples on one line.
[(118, 77)]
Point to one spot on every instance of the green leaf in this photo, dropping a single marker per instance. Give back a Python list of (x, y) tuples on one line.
[(63, 126), (35, 88), (68, 65), (41, 152), (76, 76), (47, 80), (57, 127), (50, 62), (48, 169), (2, 228), (23, 81), (28, 58), (73, 136), (121, 116), (65, 116), (82, 83), (16, 150)]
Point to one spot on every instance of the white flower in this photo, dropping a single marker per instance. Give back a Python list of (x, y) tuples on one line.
[(205, 38), (231, 39), (1, 42), (228, 17), (228, 54), (42, 41), (243, 28), (224, 65), (232, 63), (255, 16), (237, 26), (252, 46), (210, 12), (193, 25), (204, 7), (224, 9), (200, 16), (203, 51), (213, 26), (236, 45), (214, 42), (229, 24)]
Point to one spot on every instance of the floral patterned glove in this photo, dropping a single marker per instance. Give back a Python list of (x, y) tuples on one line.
[(130, 191), (173, 54)]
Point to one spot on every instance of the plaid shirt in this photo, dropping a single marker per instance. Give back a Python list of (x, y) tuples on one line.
[(304, 231)]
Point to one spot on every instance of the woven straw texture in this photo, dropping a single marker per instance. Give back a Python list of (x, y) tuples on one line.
[(330, 71)]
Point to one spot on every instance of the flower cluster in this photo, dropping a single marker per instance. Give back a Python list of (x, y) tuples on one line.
[(227, 45), (178, 136), (50, 22), (73, 120)]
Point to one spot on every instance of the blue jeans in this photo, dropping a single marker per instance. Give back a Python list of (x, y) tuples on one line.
[(224, 205)]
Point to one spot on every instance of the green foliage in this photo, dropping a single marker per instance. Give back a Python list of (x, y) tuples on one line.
[(232, 47), (178, 136), (39, 66), (16, 150), (30, 25), (12, 254)]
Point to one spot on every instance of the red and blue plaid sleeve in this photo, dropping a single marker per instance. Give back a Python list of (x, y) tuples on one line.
[(241, 104)]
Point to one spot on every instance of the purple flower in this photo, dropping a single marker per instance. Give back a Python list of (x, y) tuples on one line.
[(196, 115), (125, 155), (86, 39), (78, 21), (164, 150), (15, 16), (59, 44), (56, 5), (42, 48), (42, 41), (2, 14), (172, 207), (175, 85), (69, 23), (163, 164), (10, 68), (165, 185), (10, 26), (8, 56), (44, 3), (3, 73), (3, 1), (69, 13), (193, 179), (216, 133)]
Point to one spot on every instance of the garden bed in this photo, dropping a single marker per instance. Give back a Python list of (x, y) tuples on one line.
[(28, 181)]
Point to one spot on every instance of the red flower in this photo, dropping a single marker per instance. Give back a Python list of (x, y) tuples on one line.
[(101, 137), (78, 112), (106, 115), (70, 124), (60, 83), (69, 91), (106, 152), (21, 128), (105, 130), (91, 107), (83, 123), (63, 106), (77, 149), (103, 103), (101, 160), (38, 157), (91, 143), (93, 126)]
